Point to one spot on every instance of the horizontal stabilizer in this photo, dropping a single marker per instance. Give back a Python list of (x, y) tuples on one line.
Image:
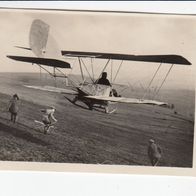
[(128, 100), (21, 47), (42, 61), (171, 58), (53, 89)]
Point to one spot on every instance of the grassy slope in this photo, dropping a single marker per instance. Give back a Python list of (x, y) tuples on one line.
[(84, 136)]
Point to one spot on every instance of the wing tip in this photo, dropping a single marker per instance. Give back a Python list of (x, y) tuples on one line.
[(43, 61), (182, 60)]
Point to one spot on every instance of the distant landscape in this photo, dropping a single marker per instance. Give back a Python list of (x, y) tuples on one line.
[(182, 99)]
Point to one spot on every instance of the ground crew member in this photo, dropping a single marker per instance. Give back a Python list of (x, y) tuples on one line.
[(154, 152)]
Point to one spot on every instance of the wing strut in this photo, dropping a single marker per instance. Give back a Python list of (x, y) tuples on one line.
[(81, 68), (45, 70), (146, 91), (118, 70), (156, 93), (111, 70), (104, 68), (87, 71), (92, 69), (40, 74), (72, 82), (54, 74)]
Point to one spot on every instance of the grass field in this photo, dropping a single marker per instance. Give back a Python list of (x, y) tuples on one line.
[(84, 136)]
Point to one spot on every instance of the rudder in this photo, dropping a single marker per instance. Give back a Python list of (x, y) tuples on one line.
[(38, 37)]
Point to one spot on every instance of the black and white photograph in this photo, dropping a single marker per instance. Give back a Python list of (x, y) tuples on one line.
[(101, 88)]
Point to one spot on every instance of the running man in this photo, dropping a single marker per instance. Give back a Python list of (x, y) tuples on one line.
[(154, 152), (48, 118)]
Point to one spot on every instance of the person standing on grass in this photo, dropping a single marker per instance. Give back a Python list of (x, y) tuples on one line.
[(13, 108), (154, 152)]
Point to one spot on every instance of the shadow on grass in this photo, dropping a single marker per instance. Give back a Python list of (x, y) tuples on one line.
[(96, 108), (22, 134)]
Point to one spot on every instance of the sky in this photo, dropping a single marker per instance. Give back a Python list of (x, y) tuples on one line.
[(138, 34)]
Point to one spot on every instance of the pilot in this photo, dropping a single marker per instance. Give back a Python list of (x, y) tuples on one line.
[(154, 152), (103, 80)]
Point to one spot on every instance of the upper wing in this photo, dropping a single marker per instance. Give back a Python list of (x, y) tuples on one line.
[(128, 100), (53, 89), (42, 61), (171, 59)]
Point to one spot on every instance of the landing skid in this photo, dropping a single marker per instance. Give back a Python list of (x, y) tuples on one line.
[(107, 111), (112, 111), (92, 107)]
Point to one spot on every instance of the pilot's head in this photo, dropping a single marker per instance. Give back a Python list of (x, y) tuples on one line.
[(104, 75)]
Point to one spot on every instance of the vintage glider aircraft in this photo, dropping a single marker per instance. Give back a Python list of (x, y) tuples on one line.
[(91, 93)]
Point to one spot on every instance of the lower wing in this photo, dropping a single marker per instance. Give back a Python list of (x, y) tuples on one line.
[(128, 100), (53, 89)]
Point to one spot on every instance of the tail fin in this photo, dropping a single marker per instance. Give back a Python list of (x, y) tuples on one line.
[(38, 37)]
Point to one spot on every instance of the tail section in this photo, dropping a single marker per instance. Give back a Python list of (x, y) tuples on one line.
[(38, 37)]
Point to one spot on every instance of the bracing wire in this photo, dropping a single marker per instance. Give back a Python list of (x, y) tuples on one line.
[(156, 93), (118, 70), (81, 70), (45, 70), (104, 68), (55, 79), (40, 74), (146, 91), (87, 71), (72, 71), (111, 70), (72, 82), (92, 67)]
